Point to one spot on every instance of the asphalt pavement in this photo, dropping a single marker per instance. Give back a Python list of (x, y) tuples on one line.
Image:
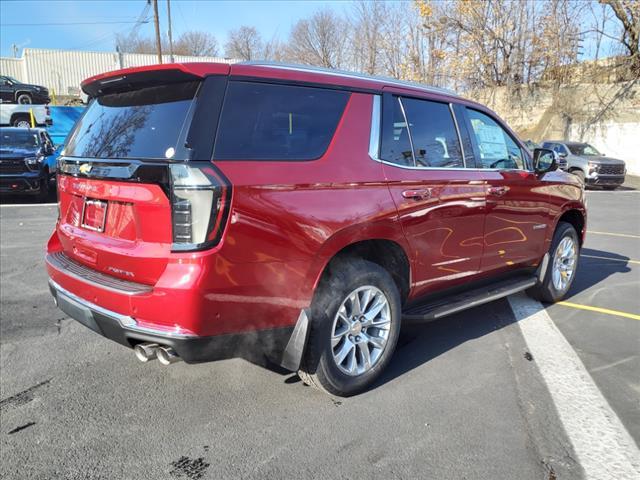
[(462, 398)]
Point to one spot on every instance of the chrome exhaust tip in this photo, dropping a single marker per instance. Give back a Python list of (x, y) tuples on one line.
[(146, 351), (167, 355)]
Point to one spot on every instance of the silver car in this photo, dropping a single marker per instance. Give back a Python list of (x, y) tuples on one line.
[(591, 166)]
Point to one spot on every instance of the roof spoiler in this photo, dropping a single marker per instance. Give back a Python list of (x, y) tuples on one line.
[(148, 76)]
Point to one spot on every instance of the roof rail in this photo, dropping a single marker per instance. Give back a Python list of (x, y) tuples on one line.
[(347, 74)]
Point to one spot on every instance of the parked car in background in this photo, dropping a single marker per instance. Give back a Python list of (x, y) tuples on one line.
[(210, 209), (20, 115), (590, 166), (27, 161), (14, 91)]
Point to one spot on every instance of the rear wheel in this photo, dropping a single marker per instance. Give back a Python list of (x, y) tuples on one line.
[(354, 328), (24, 99), (561, 269)]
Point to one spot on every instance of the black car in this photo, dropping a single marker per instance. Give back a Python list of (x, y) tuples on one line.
[(27, 161), (13, 91)]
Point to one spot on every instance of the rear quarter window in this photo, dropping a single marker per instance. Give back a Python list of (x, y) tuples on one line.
[(261, 121)]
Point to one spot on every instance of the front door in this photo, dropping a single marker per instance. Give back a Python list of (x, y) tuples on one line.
[(440, 204), (517, 202)]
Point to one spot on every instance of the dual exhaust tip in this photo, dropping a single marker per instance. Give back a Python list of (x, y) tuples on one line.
[(149, 351)]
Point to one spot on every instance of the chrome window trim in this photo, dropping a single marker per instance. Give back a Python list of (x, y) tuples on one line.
[(374, 137), (125, 321), (406, 121)]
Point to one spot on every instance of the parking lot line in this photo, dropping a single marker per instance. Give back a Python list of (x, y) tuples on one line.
[(7, 205), (611, 259), (604, 448), (626, 235), (606, 311)]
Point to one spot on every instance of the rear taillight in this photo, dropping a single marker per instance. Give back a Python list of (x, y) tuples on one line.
[(200, 198)]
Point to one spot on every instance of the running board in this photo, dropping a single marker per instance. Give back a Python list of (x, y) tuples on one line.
[(456, 303)]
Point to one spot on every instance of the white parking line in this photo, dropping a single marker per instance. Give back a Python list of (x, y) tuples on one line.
[(7, 205), (604, 448)]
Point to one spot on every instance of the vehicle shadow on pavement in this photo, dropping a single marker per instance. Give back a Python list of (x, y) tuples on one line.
[(595, 266), (28, 199)]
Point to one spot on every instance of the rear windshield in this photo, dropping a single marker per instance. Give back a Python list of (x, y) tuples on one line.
[(277, 122), (144, 123), (19, 139)]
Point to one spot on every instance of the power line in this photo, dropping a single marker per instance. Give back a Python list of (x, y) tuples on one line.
[(63, 24)]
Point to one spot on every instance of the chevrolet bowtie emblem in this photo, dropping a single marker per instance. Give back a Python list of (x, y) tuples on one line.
[(85, 168)]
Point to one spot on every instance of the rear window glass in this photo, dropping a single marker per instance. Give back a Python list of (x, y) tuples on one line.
[(144, 123), (277, 122)]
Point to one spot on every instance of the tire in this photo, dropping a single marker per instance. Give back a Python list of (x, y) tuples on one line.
[(21, 122), (549, 290), (24, 99), (348, 279), (610, 187)]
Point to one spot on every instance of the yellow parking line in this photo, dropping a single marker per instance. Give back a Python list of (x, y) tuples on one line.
[(626, 235), (606, 311), (637, 262)]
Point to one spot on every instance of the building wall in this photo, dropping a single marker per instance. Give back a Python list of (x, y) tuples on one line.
[(62, 70), (606, 115)]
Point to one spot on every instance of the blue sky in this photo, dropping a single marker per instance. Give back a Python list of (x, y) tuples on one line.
[(216, 17)]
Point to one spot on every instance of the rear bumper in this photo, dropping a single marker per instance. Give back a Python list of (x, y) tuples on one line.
[(191, 348)]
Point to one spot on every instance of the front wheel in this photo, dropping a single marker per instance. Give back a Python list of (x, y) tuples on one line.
[(354, 328), (21, 122), (561, 269)]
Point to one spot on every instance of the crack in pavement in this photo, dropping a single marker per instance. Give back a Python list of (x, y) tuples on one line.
[(21, 398)]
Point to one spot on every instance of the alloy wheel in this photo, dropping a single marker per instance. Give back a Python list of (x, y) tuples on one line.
[(564, 263), (360, 330)]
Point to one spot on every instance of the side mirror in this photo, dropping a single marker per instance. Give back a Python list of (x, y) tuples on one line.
[(544, 160), (562, 155)]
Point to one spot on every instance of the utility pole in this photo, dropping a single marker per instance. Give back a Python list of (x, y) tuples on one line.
[(170, 37), (156, 20), (14, 47)]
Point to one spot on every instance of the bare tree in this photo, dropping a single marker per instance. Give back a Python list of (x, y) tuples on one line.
[(319, 40), (196, 43), (244, 43), (628, 14), (366, 26), (135, 44)]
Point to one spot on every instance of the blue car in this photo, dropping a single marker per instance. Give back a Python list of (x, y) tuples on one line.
[(28, 161)]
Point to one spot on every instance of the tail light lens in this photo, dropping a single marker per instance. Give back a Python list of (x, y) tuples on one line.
[(200, 199)]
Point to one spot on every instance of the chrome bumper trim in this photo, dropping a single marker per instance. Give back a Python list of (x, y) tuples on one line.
[(125, 321), (70, 267)]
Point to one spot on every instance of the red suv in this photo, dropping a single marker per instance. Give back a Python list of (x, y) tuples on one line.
[(208, 209)]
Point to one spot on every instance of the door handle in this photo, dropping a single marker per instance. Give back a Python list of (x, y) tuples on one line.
[(417, 194), (498, 191)]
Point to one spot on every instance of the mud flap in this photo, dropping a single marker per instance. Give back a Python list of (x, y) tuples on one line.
[(292, 355)]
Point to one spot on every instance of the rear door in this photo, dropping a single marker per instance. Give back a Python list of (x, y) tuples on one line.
[(440, 203), (517, 203)]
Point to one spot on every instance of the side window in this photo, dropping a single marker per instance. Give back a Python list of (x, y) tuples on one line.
[(559, 149), (434, 135), (497, 148), (262, 121), (396, 146)]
